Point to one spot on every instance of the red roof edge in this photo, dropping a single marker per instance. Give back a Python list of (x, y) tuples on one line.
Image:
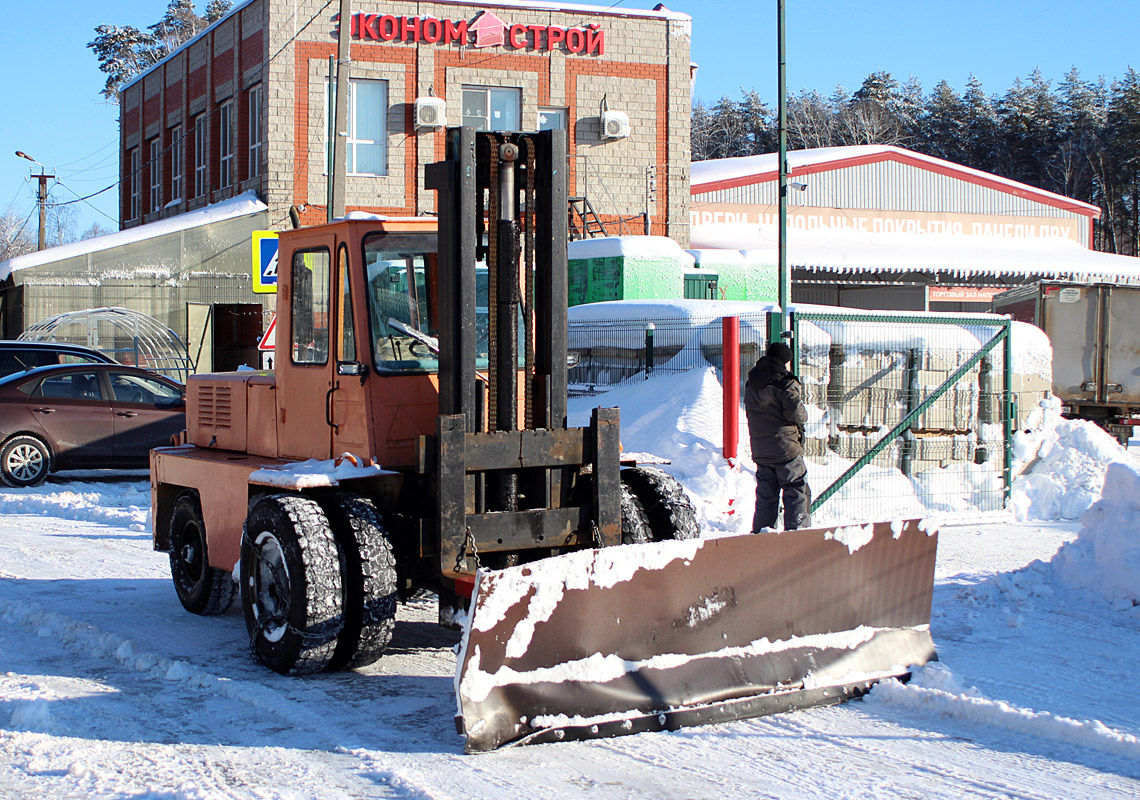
[(937, 166)]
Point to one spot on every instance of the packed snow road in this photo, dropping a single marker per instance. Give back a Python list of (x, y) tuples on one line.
[(109, 689)]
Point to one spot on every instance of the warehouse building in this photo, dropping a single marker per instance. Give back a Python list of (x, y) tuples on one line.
[(880, 227), (245, 107)]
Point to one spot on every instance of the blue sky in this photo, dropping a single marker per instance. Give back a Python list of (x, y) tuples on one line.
[(55, 113)]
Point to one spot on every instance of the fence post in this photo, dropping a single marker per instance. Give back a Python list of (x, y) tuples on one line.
[(650, 329), (730, 362)]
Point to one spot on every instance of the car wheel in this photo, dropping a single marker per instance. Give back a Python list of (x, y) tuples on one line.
[(201, 589), (25, 461), (291, 589)]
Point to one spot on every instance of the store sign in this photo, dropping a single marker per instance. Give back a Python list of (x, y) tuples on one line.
[(875, 222), (487, 29), (965, 294)]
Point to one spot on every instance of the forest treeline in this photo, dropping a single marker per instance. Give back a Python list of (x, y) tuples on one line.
[(1080, 139)]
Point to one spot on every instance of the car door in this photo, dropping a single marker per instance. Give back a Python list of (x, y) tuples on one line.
[(75, 413), (146, 412)]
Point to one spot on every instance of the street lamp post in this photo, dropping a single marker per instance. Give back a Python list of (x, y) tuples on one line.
[(43, 178)]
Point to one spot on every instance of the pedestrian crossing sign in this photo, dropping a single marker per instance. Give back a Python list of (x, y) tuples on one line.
[(265, 262)]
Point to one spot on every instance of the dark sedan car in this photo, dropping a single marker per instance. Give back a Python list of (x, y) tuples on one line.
[(84, 416)]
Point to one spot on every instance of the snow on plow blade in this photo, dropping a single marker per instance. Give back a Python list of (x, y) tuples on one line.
[(670, 634)]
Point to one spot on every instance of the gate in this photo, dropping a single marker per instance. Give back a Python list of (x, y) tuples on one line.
[(919, 412)]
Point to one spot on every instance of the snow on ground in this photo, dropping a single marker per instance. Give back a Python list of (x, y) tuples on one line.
[(108, 689)]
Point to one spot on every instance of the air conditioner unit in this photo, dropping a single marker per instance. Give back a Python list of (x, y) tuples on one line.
[(615, 124), (431, 112)]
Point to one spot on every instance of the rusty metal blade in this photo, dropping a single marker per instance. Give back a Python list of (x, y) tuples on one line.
[(662, 635)]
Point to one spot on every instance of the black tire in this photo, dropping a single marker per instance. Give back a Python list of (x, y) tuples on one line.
[(634, 522), (291, 590), (670, 512), (369, 576), (201, 589), (25, 461)]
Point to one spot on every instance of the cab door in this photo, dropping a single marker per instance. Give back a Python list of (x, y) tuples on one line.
[(349, 407), (305, 365)]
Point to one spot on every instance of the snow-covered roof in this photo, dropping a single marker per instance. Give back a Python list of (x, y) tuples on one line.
[(958, 256), (626, 246), (728, 173), (240, 206)]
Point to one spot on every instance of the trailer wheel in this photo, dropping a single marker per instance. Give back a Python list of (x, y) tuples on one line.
[(670, 512), (201, 589), (25, 461), (368, 572), (634, 523), (291, 587)]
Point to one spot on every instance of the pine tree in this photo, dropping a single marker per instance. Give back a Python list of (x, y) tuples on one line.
[(942, 126), (125, 51)]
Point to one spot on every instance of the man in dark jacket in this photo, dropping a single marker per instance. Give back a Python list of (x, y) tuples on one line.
[(776, 419)]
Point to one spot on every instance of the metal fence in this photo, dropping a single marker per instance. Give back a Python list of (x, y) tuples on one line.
[(915, 413), (909, 415)]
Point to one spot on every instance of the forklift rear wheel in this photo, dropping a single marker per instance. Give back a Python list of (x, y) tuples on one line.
[(291, 587), (201, 589), (368, 572)]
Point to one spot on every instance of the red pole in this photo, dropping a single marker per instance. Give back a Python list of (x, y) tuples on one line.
[(730, 339)]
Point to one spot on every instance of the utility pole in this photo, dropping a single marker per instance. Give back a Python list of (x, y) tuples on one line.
[(339, 144), (782, 129), (42, 196)]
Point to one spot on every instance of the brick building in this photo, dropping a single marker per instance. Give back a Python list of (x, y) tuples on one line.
[(244, 106)]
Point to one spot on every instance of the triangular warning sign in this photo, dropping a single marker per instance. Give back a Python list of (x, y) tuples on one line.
[(269, 339)]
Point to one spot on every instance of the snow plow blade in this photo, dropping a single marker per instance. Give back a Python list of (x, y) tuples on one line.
[(670, 634)]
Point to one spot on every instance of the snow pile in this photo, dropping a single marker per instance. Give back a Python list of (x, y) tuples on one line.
[(1067, 461), (680, 418), (126, 504), (1105, 557)]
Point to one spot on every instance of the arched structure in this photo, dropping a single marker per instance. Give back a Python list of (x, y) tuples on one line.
[(127, 336)]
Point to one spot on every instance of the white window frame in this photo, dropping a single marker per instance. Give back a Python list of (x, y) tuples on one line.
[(175, 164), (355, 139), (488, 121), (226, 144), (200, 153), (135, 181), (549, 112), (156, 174), (253, 170)]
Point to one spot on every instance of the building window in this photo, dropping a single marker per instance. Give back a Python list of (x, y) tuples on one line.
[(367, 126), (225, 145), (155, 174), (552, 119), (175, 163), (254, 132), (310, 307), (135, 181), (491, 108), (199, 155)]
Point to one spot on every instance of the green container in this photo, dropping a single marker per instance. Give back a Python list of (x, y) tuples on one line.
[(701, 286)]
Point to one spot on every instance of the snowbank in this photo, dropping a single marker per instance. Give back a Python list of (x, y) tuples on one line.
[(1105, 557), (1066, 464)]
